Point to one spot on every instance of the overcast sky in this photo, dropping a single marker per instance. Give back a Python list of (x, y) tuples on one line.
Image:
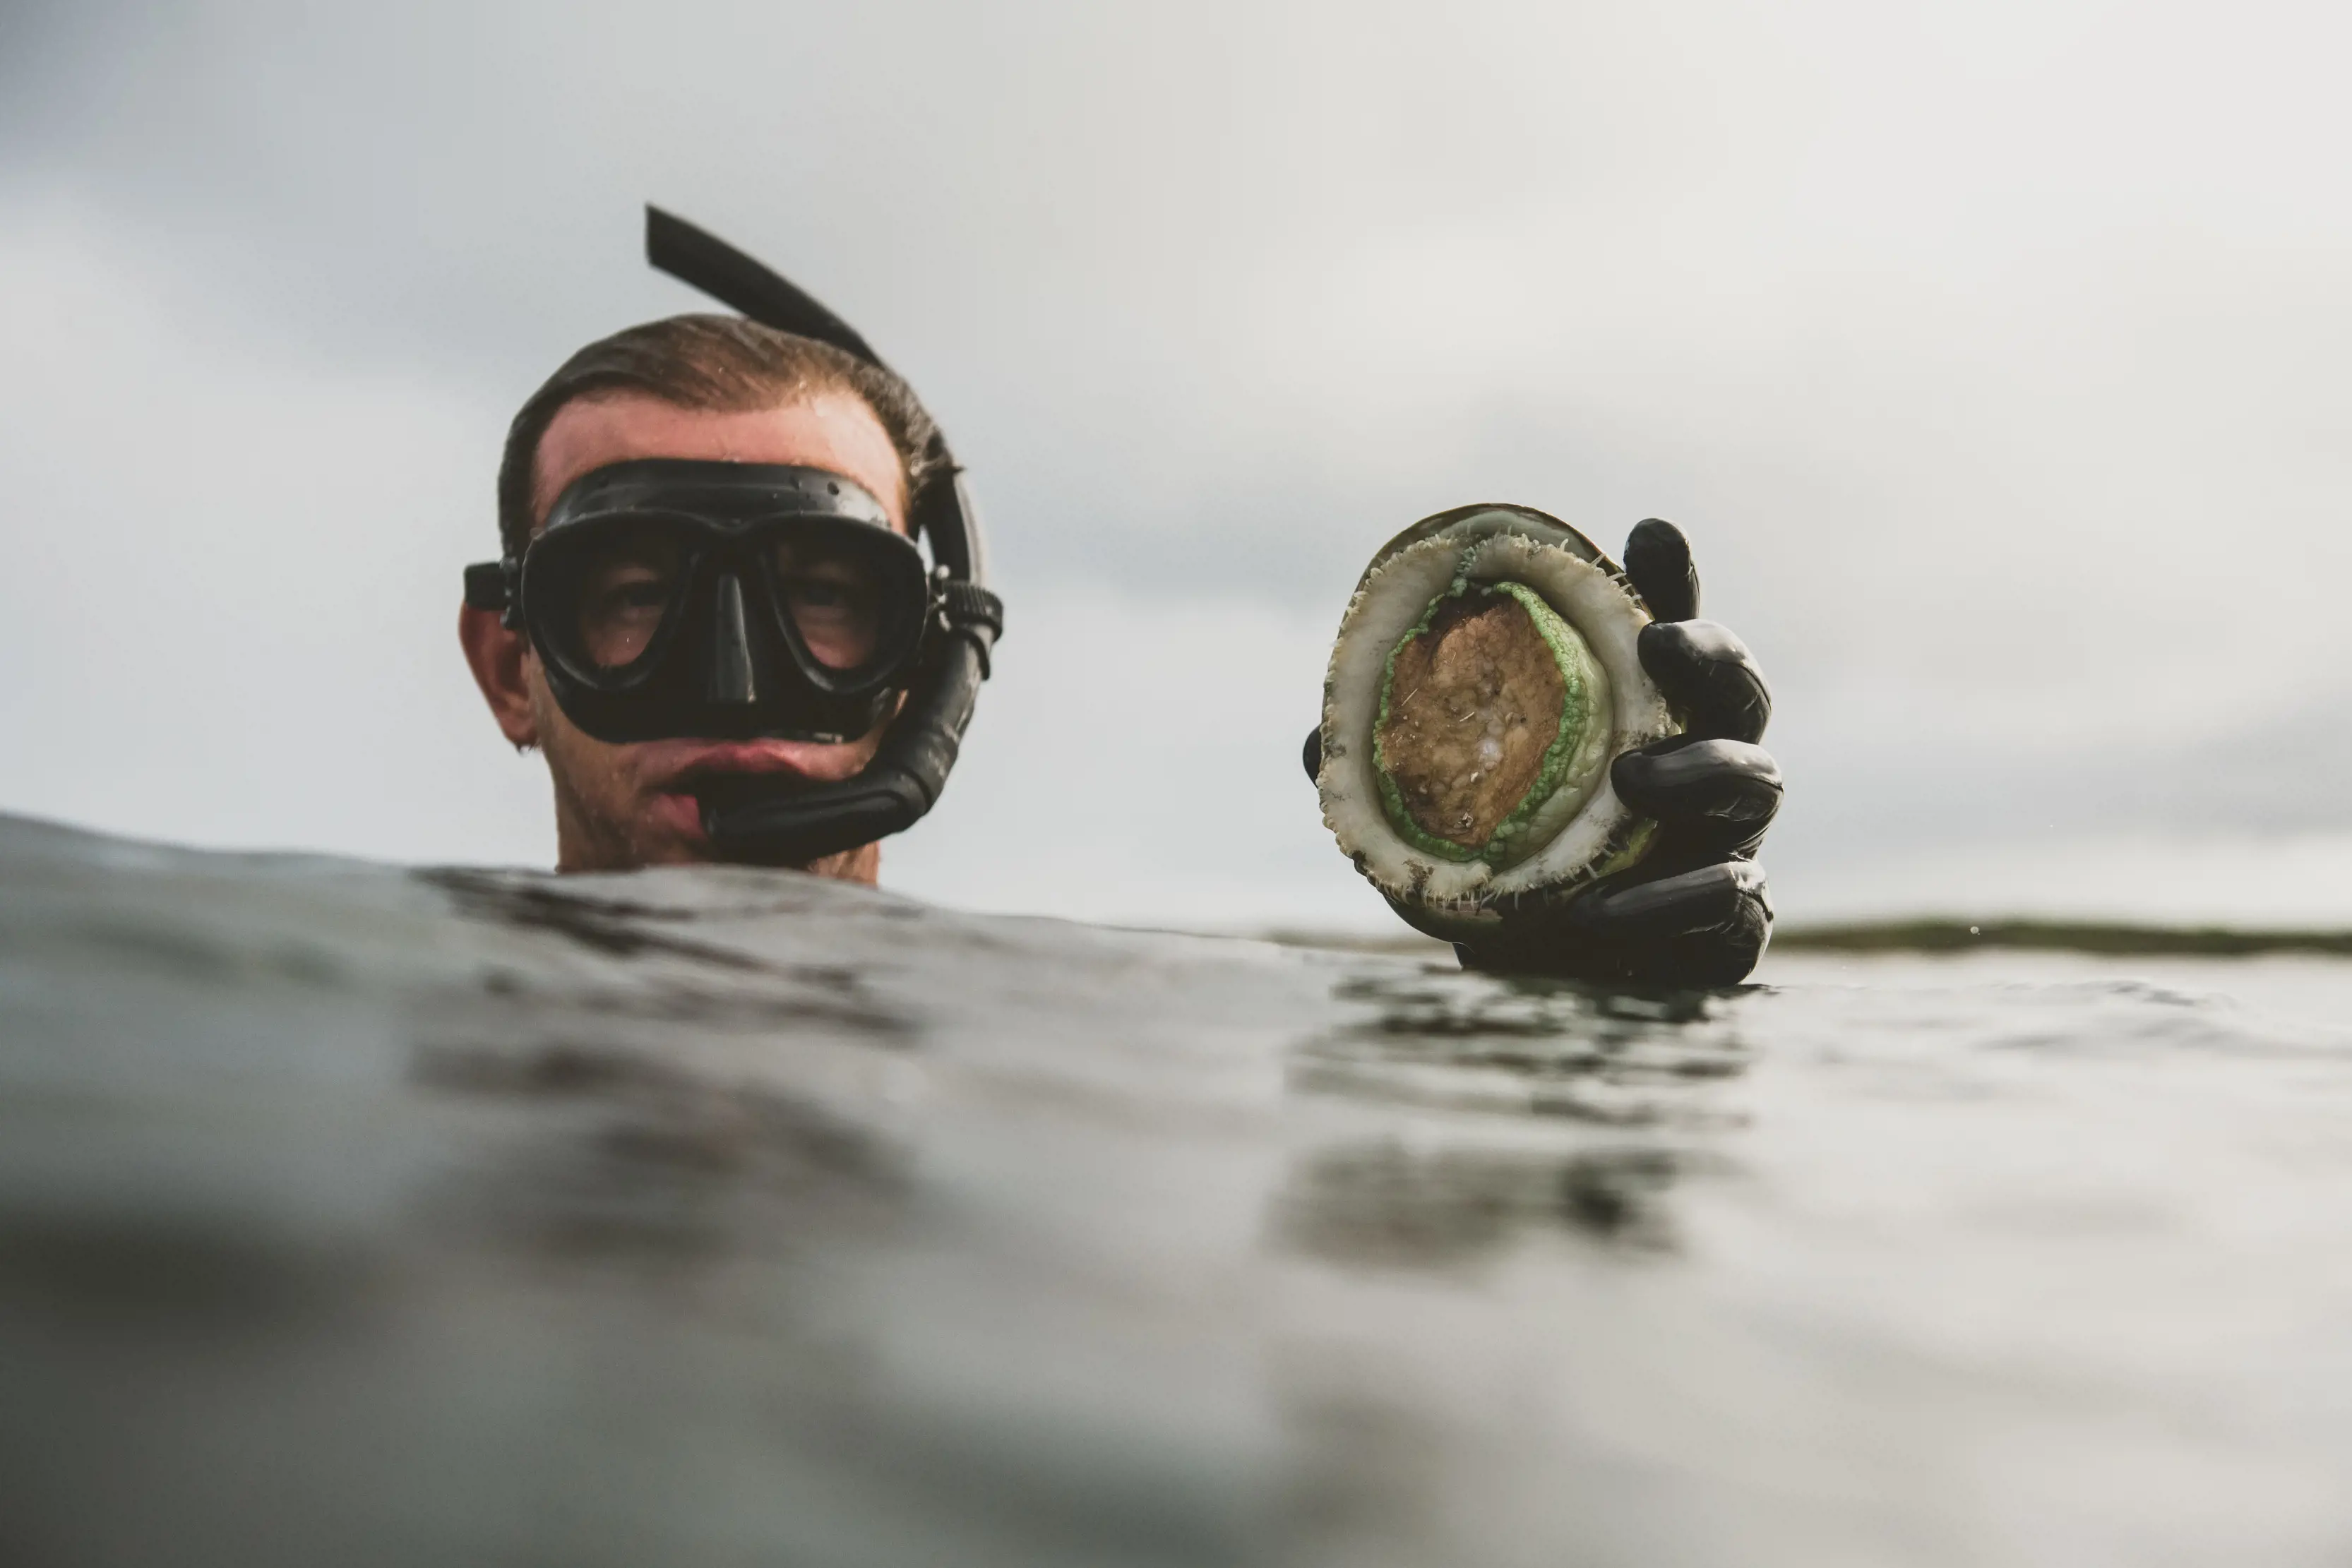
[(1990, 352)]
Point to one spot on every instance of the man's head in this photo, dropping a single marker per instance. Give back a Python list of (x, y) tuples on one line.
[(712, 387)]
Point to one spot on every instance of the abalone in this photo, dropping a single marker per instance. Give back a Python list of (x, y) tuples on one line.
[(1485, 677)]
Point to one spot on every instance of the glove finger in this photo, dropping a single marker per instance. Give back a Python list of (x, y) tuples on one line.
[(1703, 927), (1658, 563), (1723, 956), (1709, 674), (1721, 793), (1726, 900), (1312, 754)]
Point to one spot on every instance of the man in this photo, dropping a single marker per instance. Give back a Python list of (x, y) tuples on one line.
[(694, 387), (710, 613), (711, 619)]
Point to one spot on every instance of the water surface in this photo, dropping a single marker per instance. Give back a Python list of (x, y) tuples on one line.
[(351, 1215)]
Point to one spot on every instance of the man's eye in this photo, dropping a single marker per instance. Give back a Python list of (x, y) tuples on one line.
[(620, 610), (628, 591), (830, 594), (646, 593)]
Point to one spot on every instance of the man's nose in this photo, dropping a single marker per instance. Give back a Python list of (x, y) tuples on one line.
[(728, 678)]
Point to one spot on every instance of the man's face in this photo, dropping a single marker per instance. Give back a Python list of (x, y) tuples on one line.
[(623, 806)]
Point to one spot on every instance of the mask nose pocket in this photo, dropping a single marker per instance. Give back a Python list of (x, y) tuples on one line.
[(730, 675)]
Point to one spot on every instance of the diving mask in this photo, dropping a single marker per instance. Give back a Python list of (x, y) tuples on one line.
[(673, 597)]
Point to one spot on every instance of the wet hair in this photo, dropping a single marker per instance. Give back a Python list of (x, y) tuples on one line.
[(722, 363)]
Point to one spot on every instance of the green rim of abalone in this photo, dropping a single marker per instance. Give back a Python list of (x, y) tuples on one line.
[(1568, 653)]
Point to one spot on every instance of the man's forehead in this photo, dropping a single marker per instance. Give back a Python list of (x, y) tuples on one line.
[(828, 429)]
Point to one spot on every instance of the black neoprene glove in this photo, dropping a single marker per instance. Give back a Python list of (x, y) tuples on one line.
[(1694, 912)]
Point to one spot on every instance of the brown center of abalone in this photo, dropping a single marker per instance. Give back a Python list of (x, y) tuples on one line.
[(1474, 705)]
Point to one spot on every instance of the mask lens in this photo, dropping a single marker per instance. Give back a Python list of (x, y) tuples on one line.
[(835, 598), (628, 581)]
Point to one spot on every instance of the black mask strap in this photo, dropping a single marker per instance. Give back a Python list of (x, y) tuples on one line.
[(752, 819)]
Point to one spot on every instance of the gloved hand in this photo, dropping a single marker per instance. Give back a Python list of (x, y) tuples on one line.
[(1694, 912)]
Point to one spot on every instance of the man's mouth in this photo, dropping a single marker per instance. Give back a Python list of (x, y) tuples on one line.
[(704, 777)]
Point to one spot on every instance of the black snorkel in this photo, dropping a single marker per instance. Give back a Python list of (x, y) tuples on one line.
[(752, 818), (762, 817)]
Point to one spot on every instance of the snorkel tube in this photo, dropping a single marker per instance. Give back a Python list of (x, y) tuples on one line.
[(755, 820)]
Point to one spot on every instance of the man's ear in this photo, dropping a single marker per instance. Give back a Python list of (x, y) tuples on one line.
[(496, 654)]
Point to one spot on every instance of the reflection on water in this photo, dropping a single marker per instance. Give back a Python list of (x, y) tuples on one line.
[(1432, 1195), (1385, 1203), (647, 1159), (354, 1216), (1546, 1048)]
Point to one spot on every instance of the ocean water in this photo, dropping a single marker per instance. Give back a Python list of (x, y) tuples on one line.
[(353, 1215)]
